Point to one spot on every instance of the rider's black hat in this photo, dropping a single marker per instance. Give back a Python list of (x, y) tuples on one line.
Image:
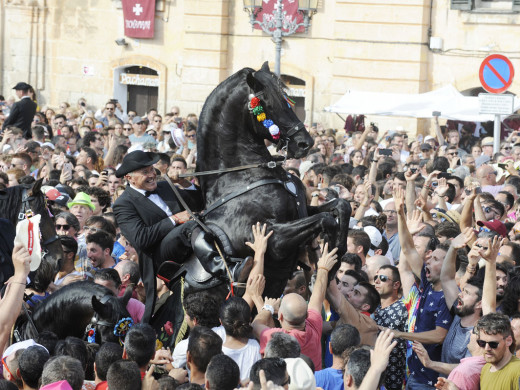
[(136, 160), (21, 86)]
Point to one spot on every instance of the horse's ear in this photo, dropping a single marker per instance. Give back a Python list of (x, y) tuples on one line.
[(37, 186), (253, 83), (99, 307), (127, 295), (265, 67)]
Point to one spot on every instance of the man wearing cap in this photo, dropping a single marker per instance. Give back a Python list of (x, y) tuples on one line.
[(82, 208), (139, 136), (153, 220), (426, 150), (487, 147), (22, 112)]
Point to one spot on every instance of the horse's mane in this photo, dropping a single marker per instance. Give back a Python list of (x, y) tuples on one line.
[(74, 298)]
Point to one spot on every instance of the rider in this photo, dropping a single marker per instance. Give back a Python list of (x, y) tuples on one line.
[(154, 221)]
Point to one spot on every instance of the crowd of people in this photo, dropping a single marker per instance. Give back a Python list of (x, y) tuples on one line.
[(427, 295)]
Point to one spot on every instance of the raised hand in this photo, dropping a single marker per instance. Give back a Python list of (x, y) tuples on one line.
[(256, 285), (460, 241), (260, 238), (414, 222), (399, 198), (490, 252), (442, 187), (381, 353), (328, 259)]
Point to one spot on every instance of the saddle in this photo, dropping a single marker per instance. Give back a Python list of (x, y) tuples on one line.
[(205, 268)]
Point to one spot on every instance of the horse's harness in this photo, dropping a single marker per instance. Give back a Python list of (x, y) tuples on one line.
[(120, 328)]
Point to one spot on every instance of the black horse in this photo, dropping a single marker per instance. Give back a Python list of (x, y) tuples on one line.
[(75, 309), (16, 203), (232, 132)]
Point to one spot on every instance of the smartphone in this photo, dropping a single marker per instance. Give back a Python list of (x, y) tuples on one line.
[(502, 165), (436, 113), (443, 175), (478, 190), (413, 170), (385, 152)]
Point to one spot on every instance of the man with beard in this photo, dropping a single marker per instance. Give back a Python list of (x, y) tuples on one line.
[(432, 316), (502, 280), (466, 304), (495, 336)]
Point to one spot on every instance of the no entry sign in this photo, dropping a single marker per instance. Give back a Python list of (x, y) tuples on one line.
[(496, 73)]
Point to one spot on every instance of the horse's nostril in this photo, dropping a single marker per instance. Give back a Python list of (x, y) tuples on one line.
[(303, 145)]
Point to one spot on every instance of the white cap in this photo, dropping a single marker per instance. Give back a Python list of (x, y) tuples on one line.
[(375, 238), (301, 374), (21, 345)]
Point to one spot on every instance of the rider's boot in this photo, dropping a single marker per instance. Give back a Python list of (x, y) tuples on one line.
[(210, 259)]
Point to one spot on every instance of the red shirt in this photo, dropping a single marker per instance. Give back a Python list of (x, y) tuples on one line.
[(309, 339)]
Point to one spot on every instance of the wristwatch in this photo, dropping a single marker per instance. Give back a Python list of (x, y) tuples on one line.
[(269, 308)]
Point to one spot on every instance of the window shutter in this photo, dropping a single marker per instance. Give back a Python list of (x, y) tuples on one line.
[(516, 5), (464, 5)]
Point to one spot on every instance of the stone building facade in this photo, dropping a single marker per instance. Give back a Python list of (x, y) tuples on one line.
[(67, 49)]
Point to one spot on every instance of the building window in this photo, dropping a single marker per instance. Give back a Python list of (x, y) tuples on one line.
[(486, 5)]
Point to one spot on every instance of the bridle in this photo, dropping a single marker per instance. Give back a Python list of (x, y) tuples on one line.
[(120, 328)]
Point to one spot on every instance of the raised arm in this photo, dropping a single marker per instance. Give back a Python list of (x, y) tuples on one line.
[(410, 189), (379, 357), (13, 298), (410, 255), (325, 264), (259, 246), (489, 293), (448, 270), (365, 202)]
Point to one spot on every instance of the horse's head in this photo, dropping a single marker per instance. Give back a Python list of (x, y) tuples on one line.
[(268, 88), (110, 321), (50, 243)]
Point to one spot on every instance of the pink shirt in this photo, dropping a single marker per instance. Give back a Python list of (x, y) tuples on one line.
[(467, 374), (136, 309), (309, 339)]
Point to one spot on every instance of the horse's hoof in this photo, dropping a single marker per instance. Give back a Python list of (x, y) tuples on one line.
[(242, 270)]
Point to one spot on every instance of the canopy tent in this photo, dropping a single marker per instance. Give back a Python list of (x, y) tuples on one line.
[(447, 100)]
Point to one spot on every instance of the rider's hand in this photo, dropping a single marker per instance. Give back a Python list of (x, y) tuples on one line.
[(181, 217)]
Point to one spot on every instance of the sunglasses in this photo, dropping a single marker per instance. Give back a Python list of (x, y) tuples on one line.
[(4, 363), (507, 147), (64, 227), (287, 382), (382, 278), (191, 136), (127, 129), (492, 344)]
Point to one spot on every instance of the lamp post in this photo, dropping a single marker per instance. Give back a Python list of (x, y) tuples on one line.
[(279, 25)]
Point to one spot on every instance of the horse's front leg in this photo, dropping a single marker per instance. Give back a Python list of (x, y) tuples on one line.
[(288, 240), (341, 210)]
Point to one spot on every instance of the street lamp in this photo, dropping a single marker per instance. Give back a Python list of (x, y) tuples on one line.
[(279, 25)]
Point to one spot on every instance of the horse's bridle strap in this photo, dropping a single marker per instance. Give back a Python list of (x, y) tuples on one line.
[(269, 164), (232, 195), (50, 240)]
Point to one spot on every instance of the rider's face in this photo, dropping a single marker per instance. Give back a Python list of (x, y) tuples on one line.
[(144, 179)]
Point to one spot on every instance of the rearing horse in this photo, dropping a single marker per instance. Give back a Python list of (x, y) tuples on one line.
[(230, 134)]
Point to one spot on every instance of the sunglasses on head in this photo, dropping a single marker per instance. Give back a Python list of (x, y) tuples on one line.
[(64, 227), (5, 365), (492, 344), (382, 278)]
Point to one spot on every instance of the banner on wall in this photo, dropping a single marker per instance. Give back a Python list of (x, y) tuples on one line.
[(139, 18), (289, 8)]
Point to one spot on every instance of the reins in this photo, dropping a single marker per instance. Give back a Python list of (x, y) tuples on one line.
[(269, 164)]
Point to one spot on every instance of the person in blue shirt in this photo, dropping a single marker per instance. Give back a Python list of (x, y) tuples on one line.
[(342, 337)]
